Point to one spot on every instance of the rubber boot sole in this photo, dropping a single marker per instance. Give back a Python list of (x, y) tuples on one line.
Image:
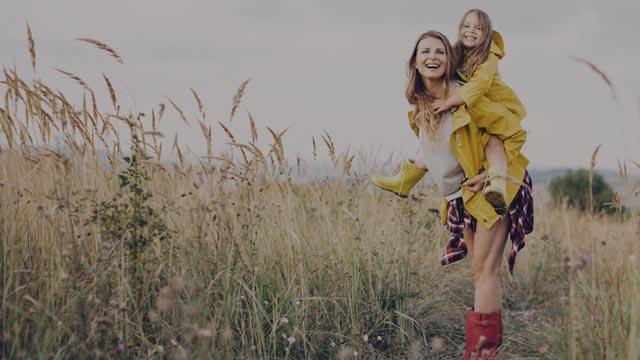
[(389, 190), (496, 199)]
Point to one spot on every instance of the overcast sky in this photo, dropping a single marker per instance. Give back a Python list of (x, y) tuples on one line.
[(339, 65)]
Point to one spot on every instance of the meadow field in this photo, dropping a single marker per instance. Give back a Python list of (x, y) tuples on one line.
[(108, 250)]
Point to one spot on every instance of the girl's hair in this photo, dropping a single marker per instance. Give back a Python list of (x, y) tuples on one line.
[(417, 93), (477, 55)]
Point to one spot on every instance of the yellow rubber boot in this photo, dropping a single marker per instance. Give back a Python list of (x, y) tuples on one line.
[(496, 192), (403, 181)]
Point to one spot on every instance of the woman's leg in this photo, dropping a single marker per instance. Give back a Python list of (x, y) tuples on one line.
[(420, 162), (486, 248), (484, 322)]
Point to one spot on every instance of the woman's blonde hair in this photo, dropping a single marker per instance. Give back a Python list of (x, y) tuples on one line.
[(477, 55), (417, 93)]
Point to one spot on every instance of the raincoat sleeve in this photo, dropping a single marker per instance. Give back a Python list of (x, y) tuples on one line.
[(498, 120), (480, 81)]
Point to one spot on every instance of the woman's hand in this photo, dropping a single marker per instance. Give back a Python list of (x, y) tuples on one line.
[(439, 106), (476, 183)]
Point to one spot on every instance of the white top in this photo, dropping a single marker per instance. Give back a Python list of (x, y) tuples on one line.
[(440, 160)]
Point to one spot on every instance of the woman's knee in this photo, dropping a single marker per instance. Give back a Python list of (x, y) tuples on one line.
[(482, 270)]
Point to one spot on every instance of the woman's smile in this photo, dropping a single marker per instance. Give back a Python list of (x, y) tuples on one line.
[(430, 58)]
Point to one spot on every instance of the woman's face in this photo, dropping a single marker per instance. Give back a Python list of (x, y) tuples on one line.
[(431, 58), (471, 31)]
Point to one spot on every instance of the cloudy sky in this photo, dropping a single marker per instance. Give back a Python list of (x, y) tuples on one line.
[(339, 65)]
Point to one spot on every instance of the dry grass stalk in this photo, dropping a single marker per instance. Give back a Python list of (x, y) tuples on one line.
[(176, 147), (348, 160), (277, 148), (254, 131), (75, 77), (599, 72), (315, 149), (622, 171), (104, 47), (32, 48), (175, 106), (198, 102), (330, 147), (254, 150), (206, 132), (237, 97), (96, 113), (228, 132), (112, 94), (162, 106), (592, 166), (154, 133)]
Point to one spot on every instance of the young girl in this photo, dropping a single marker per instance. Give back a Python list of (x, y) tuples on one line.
[(477, 52)]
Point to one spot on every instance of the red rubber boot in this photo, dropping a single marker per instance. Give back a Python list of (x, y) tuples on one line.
[(484, 335)]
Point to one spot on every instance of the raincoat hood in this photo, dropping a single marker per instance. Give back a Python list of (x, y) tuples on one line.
[(497, 45)]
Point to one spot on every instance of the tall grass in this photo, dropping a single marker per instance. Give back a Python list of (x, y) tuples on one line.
[(225, 256)]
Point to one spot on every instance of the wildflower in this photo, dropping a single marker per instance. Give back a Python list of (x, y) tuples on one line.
[(284, 321), (297, 302), (597, 317), (205, 334), (437, 344), (585, 260), (291, 340), (120, 347), (562, 267), (365, 338), (332, 344), (347, 353)]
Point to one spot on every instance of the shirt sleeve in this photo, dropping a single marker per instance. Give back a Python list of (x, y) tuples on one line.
[(480, 81)]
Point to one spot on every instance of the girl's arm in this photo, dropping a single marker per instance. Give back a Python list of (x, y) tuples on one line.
[(474, 89), (480, 81), (441, 105)]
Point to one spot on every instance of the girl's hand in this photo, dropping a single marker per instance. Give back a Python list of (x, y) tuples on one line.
[(476, 183), (439, 106)]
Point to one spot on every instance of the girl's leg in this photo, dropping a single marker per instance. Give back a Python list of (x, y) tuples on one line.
[(497, 159), (494, 152)]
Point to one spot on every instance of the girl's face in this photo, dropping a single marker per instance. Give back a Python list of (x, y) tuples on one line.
[(470, 31), (431, 58)]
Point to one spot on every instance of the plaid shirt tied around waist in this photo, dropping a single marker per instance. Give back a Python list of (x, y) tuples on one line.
[(521, 223)]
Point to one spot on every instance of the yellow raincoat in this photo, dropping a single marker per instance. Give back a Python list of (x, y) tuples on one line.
[(504, 106), (468, 140)]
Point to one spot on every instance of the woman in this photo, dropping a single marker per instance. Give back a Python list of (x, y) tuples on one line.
[(453, 147)]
